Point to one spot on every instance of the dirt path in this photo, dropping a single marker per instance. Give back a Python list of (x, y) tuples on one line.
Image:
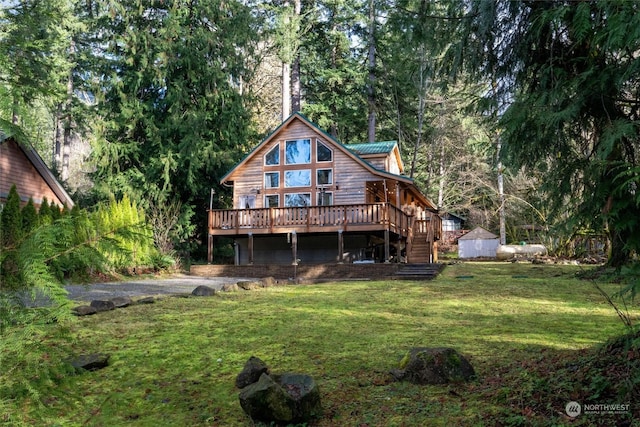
[(146, 287)]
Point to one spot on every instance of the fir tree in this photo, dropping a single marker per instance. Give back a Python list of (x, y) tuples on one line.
[(10, 219), (29, 217), (45, 212)]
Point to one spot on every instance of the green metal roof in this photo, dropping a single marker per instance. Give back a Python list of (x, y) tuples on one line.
[(365, 148)]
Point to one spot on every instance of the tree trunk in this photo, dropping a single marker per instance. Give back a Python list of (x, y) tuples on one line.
[(503, 230), (286, 90), (441, 172), (296, 92), (619, 254), (371, 96), (422, 94)]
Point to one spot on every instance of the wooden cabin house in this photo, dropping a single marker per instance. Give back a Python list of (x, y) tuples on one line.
[(301, 196), (23, 167)]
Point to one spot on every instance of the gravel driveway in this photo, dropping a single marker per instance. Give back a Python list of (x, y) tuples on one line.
[(146, 287)]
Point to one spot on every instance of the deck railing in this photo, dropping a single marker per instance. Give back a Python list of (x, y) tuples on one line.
[(310, 218)]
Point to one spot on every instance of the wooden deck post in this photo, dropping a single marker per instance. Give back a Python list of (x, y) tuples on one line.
[(250, 244), (294, 247), (387, 253), (210, 248), (340, 247)]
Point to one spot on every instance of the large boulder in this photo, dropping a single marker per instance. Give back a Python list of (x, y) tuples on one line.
[(438, 365), (285, 398)]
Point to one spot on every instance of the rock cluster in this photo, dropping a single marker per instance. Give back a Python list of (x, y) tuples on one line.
[(280, 398), (97, 306)]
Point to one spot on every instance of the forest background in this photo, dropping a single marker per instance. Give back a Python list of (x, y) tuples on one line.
[(156, 100)]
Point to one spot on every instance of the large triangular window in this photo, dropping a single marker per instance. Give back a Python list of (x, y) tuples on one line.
[(323, 153), (272, 158)]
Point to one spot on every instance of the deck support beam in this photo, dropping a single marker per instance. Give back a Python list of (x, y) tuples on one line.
[(340, 247), (387, 252), (294, 247), (210, 248), (250, 244)]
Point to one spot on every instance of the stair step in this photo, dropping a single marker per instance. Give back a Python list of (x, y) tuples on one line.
[(418, 271)]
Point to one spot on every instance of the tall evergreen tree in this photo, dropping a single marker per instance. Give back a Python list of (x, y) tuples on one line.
[(33, 63), (29, 216), (175, 116), (565, 80), (333, 76), (11, 219)]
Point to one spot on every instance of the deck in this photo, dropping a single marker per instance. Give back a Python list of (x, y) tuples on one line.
[(311, 219), (384, 219)]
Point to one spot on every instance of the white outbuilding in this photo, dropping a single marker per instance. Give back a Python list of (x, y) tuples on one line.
[(478, 243)]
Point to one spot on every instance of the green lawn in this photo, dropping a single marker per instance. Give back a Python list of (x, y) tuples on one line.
[(174, 363)]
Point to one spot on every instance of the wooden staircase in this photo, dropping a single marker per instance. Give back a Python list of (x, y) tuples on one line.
[(419, 250)]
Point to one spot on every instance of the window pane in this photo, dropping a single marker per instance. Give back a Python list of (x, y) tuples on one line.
[(323, 153), (273, 156), (298, 152), (297, 199), (297, 178), (272, 201), (325, 199), (247, 202), (272, 180), (325, 177)]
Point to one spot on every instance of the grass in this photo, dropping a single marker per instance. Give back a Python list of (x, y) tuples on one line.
[(174, 363)]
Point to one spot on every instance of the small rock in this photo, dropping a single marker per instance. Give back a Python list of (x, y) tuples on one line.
[(90, 362), (146, 300), (203, 291), (268, 282), (101, 305), (84, 310), (121, 302), (230, 287), (249, 285)]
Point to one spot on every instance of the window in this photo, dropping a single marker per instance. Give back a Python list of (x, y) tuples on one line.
[(272, 158), (297, 199), (297, 178), (298, 152), (271, 201), (247, 202), (325, 199), (323, 153), (324, 177), (272, 180)]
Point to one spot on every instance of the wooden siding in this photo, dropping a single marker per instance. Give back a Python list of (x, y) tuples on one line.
[(16, 168), (349, 177)]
